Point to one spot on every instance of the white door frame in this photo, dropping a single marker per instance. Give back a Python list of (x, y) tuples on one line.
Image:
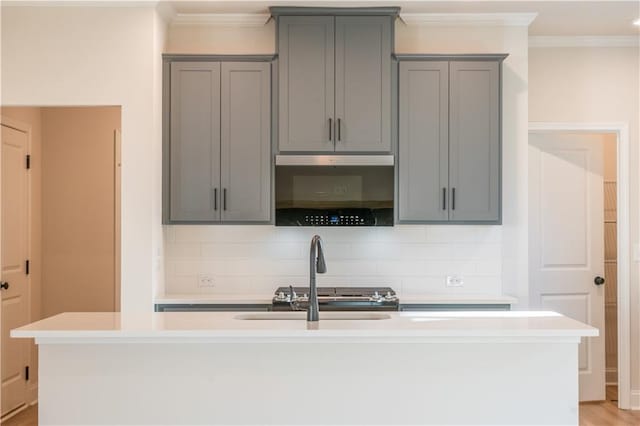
[(32, 392), (621, 130)]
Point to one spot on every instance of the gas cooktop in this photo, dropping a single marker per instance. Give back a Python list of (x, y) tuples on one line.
[(337, 299)]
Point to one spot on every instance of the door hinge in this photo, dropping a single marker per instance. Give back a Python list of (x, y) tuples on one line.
[(26, 373), (26, 266), (28, 161)]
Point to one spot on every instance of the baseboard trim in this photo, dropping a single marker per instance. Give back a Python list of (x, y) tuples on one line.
[(635, 399), (611, 376)]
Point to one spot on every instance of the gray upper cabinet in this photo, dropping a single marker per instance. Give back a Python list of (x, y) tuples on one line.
[(245, 141), (306, 83), (217, 165), (449, 150), (423, 153), (334, 83), (474, 146), (363, 83), (195, 141)]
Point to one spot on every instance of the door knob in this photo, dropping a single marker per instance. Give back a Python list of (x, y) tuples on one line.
[(4, 286), (598, 280)]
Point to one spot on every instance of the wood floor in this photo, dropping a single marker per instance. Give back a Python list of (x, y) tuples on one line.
[(604, 413)]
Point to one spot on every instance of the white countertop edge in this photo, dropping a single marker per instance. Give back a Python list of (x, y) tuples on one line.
[(262, 299), (80, 340), (299, 334), (270, 327)]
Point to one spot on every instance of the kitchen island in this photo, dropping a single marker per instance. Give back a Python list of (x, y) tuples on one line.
[(493, 368)]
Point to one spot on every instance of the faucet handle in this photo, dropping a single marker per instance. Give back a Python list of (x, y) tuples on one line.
[(292, 293)]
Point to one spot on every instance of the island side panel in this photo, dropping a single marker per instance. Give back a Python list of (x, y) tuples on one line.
[(309, 383)]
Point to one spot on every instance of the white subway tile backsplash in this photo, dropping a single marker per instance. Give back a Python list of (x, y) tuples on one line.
[(349, 267), (182, 284), (464, 234), (411, 258), (400, 267), (182, 250)]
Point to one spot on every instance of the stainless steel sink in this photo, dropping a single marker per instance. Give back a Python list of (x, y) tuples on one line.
[(324, 316)]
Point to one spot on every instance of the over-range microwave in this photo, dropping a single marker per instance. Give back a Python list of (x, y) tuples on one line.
[(334, 190)]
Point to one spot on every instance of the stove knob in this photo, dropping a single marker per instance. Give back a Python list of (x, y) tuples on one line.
[(390, 296), (281, 296), (375, 297)]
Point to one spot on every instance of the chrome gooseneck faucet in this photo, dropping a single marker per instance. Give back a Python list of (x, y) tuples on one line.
[(316, 265)]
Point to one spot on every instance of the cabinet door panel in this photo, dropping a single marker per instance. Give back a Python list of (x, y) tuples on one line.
[(306, 83), (246, 141), (195, 141), (363, 83), (474, 156), (423, 153)]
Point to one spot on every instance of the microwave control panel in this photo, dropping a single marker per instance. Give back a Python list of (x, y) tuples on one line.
[(334, 220)]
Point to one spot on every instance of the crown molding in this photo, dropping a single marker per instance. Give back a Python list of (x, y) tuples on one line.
[(221, 19), (166, 11), (584, 41), (473, 19)]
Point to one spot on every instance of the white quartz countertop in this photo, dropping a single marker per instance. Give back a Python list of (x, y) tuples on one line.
[(95, 327), (265, 299)]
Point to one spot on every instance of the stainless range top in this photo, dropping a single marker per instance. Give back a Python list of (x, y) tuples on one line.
[(337, 299)]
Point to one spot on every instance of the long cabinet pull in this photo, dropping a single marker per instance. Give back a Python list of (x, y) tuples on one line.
[(453, 198), (330, 129), (444, 198), (215, 199), (339, 129), (224, 199)]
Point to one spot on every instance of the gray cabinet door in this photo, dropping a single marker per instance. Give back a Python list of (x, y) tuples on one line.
[(195, 141), (246, 141), (474, 147), (306, 83), (363, 83), (423, 153)]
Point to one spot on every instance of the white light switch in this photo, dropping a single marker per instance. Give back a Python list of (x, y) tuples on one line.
[(454, 281), (205, 280)]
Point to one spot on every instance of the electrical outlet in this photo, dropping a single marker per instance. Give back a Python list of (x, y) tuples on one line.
[(205, 280), (454, 281)]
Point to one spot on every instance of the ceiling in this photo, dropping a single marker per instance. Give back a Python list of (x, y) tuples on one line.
[(561, 18)]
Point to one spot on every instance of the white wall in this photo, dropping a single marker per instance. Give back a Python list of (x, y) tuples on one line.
[(98, 56), (412, 259), (514, 41), (110, 56), (595, 85), (78, 196), (221, 39)]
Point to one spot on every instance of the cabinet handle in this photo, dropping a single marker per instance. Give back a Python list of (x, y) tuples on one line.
[(453, 198), (224, 199), (330, 129), (4, 286), (339, 129), (444, 198), (215, 199)]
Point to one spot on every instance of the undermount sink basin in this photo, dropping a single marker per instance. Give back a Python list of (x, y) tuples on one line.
[(324, 316)]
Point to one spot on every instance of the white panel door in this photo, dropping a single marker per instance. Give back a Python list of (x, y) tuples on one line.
[(566, 240), (14, 233)]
